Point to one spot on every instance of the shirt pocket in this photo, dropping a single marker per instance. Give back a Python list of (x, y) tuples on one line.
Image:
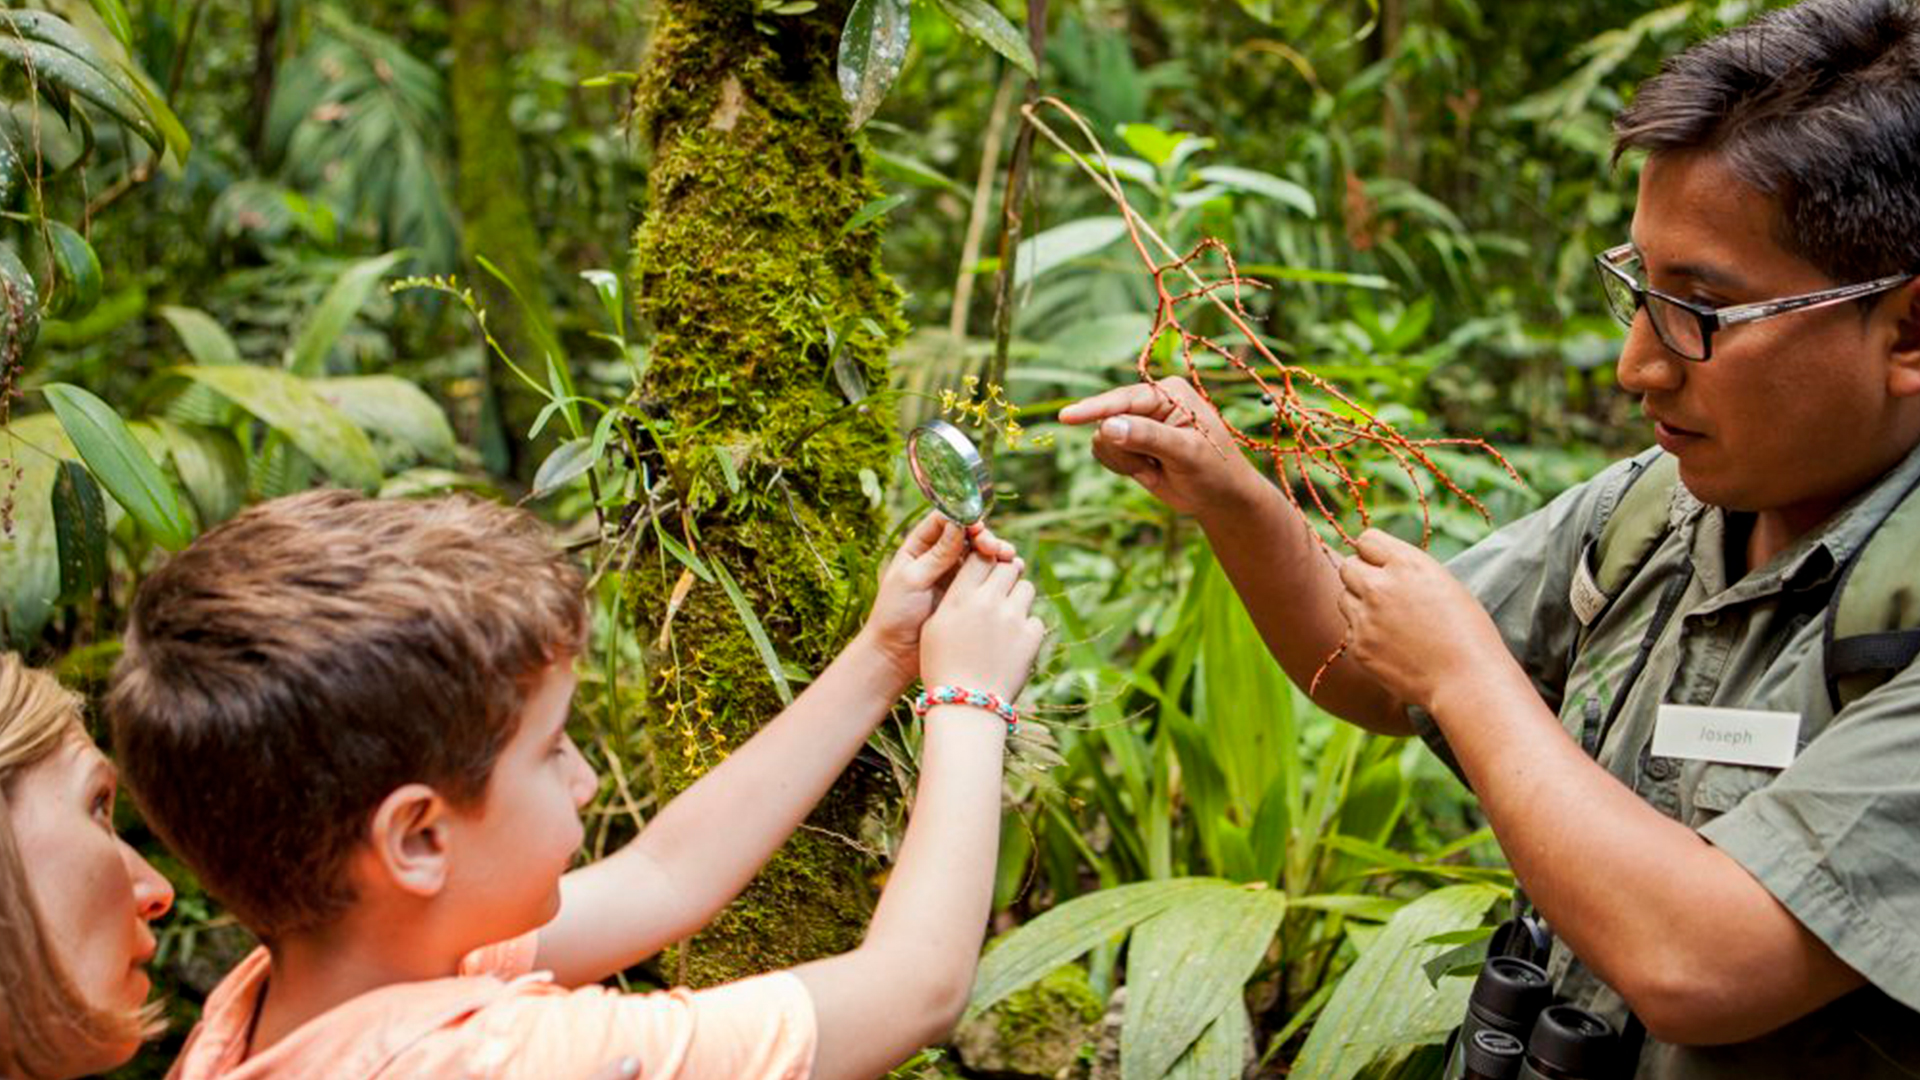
[(1717, 788)]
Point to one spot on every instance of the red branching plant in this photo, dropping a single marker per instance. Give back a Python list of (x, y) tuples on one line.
[(1317, 444)]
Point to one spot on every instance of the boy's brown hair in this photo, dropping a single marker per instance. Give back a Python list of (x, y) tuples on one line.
[(294, 666)]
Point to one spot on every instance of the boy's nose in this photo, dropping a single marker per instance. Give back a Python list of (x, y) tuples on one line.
[(585, 781)]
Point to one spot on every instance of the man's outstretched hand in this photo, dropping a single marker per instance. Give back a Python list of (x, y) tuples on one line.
[(1171, 442)]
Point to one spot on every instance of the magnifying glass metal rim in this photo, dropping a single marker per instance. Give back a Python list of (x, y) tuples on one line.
[(957, 441)]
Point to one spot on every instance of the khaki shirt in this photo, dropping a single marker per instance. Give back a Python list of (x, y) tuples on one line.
[(1835, 836)]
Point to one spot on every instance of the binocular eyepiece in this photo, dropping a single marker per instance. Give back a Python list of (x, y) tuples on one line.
[(1514, 1032)]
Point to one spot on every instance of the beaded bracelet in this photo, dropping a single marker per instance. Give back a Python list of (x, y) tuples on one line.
[(979, 699)]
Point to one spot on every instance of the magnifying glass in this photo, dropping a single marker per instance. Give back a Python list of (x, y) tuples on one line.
[(950, 472)]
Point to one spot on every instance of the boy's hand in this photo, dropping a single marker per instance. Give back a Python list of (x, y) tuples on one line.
[(912, 583), (984, 636)]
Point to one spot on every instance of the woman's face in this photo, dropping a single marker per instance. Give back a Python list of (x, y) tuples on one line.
[(95, 894)]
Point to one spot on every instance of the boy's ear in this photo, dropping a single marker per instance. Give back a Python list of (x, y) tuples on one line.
[(1903, 369), (409, 840)]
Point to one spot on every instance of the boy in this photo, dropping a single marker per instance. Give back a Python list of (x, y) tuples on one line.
[(349, 716)]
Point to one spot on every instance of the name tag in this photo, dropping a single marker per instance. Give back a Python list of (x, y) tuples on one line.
[(1585, 594), (1728, 736)]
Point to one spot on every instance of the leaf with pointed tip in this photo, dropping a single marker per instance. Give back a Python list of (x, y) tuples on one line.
[(984, 22), (206, 340), (57, 54), (762, 644), (1186, 967), (76, 272), (290, 405), (395, 413), (569, 461), (80, 528), (336, 310), (873, 49), (120, 464)]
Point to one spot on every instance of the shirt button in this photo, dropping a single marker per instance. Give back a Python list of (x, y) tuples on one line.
[(1661, 768)]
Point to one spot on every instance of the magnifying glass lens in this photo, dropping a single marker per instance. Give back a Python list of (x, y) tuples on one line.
[(950, 472)]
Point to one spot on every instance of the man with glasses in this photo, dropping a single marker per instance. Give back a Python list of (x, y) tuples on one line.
[(1720, 846)]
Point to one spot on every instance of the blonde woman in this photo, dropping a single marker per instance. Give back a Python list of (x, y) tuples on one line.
[(75, 900)]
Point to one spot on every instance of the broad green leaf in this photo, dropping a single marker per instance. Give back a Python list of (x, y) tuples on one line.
[(914, 171), (872, 212), (569, 461), (121, 466), (1062, 244), (80, 527), (172, 131), (290, 405), (114, 14), (1384, 1003), (1186, 967), (982, 20), (58, 54), (1284, 192), (206, 340), (1221, 1050), (873, 49), (1072, 929), (1157, 145), (76, 269), (335, 312), (404, 422), (12, 171), (29, 551), (19, 305), (210, 464)]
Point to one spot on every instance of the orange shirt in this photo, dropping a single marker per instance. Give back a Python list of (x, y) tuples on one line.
[(495, 1020)]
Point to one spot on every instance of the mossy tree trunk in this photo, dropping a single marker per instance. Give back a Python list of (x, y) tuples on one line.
[(767, 318), (496, 221)]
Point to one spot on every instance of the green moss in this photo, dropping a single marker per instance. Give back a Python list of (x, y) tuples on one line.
[(1038, 1032), (751, 292)]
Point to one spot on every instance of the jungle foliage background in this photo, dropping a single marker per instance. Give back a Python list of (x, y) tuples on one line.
[(256, 245)]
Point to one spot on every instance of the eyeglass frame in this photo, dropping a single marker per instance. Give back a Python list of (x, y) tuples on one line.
[(1712, 319)]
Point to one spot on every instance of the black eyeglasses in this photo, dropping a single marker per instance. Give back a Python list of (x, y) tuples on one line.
[(1687, 328)]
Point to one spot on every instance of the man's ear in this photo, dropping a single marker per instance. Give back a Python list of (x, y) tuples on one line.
[(1903, 361), (409, 840)]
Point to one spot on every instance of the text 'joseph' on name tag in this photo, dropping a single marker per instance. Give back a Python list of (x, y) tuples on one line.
[(1728, 736)]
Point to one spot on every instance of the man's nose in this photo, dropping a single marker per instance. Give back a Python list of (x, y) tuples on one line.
[(1646, 365)]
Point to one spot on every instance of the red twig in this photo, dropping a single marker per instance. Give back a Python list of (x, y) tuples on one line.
[(1315, 441)]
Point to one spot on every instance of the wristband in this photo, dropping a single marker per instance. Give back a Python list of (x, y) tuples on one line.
[(979, 699)]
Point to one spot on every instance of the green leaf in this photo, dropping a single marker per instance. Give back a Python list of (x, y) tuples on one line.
[(121, 466), (29, 551), (1072, 929), (984, 22), (19, 306), (289, 404), (761, 642), (914, 171), (1043, 252), (210, 464), (59, 55), (1221, 1049), (1285, 192), (206, 340), (1155, 144), (1186, 967), (336, 310), (686, 558), (871, 212), (1383, 1002), (114, 14), (569, 461), (397, 414), (76, 270), (1315, 277), (172, 131), (873, 49), (80, 526), (606, 283)]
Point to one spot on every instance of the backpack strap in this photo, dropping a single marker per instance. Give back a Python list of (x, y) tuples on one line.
[(1873, 624), (1636, 524)]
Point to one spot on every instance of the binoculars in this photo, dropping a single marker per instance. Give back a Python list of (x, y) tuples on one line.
[(1513, 1031)]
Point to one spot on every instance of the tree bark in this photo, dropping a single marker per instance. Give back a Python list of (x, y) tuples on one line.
[(766, 317), (496, 222)]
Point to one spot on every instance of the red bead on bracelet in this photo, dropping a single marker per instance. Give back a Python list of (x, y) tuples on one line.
[(979, 699)]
